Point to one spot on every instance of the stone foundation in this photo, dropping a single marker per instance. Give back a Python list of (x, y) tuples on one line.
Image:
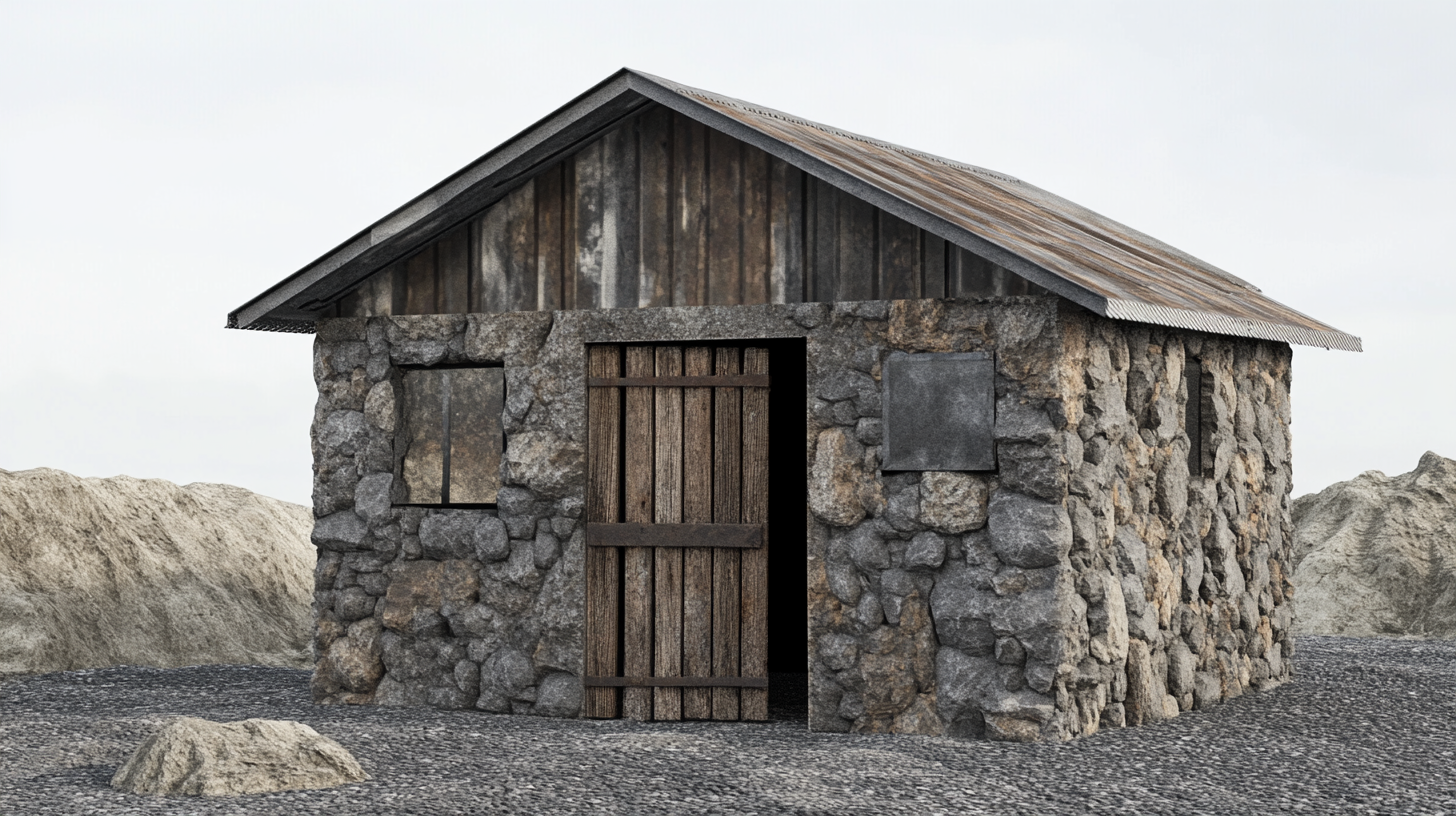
[(1089, 581)]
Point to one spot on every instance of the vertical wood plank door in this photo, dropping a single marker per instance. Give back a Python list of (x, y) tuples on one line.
[(677, 534)]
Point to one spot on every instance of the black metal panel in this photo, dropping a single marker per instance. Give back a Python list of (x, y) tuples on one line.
[(939, 411)]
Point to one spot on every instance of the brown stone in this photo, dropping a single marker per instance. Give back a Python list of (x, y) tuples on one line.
[(952, 502), (420, 586), (835, 479), (355, 663)]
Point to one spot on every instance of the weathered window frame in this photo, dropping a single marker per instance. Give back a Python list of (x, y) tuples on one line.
[(450, 436)]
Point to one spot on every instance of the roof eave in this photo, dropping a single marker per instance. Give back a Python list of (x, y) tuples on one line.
[(1214, 323)]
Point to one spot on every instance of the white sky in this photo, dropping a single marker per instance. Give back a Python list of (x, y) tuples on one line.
[(163, 162)]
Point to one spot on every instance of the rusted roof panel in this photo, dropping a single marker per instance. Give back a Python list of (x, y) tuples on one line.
[(1137, 276)]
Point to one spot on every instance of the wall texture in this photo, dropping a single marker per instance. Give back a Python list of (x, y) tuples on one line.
[(1090, 581)]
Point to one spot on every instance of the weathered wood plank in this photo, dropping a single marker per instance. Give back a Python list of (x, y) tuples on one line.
[(1007, 283), (419, 293), (690, 204), (568, 235), (398, 288), (667, 510), (350, 305), (856, 249), (932, 265), (604, 453), (824, 261), (756, 486), (520, 249), (380, 293), (620, 228), (970, 275), (695, 381), (698, 509), (725, 219), (899, 258), (697, 535), (637, 561), (452, 261), (493, 238), (727, 507), (755, 261), (786, 224), (550, 244), (654, 278), (683, 683), (591, 242), (477, 397)]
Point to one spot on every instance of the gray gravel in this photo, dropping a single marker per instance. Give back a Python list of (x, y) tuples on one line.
[(1367, 727)]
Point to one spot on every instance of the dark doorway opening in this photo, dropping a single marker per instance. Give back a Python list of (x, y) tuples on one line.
[(788, 657)]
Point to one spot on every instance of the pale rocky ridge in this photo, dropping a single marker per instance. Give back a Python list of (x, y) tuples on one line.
[(124, 571), (1376, 556)]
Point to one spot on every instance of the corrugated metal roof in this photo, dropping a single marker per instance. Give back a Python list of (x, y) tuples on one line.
[(1109, 268)]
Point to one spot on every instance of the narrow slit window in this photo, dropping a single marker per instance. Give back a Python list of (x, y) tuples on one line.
[(1193, 414)]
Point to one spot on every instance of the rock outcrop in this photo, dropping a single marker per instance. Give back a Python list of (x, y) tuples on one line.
[(123, 571), (1376, 556), (197, 757)]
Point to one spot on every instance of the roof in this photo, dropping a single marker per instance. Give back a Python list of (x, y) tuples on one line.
[(1106, 267)]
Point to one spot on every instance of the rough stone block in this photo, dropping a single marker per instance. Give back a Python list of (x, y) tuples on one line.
[(834, 479), (952, 502), (195, 757), (372, 496), (340, 531), (559, 695), (926, 551), (1026, 532)]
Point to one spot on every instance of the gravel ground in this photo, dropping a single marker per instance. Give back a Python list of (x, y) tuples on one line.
[(1366, 727)]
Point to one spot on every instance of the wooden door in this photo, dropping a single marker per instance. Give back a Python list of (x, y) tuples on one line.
[(677, 539)]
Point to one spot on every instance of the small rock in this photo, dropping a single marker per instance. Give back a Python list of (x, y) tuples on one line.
[(195, 757)]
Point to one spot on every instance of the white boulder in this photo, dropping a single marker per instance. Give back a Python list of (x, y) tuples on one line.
[(196, 757)]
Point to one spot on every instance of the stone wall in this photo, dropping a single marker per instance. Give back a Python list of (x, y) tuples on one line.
[(1085, 582), (1112, 587)]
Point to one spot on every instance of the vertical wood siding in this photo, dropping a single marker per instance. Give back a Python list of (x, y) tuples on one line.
[(663, 211)]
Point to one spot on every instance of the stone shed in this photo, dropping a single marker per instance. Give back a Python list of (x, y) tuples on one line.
[(672, 400)]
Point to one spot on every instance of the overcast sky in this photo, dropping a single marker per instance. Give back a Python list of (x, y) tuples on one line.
[(163, 162)]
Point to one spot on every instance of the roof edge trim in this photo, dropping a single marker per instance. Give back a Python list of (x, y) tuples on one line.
[(1214, 323)]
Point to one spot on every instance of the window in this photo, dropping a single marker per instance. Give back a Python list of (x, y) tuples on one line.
[(1194, 413), (449, 448)]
